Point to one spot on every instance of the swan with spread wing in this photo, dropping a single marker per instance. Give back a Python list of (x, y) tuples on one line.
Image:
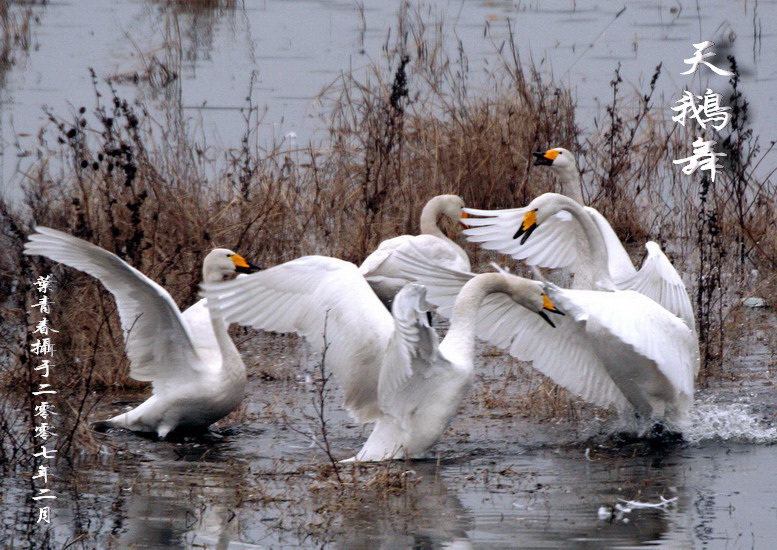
[(562, 242), (383, 269), (197, 374), (392, 368), (613, 347)]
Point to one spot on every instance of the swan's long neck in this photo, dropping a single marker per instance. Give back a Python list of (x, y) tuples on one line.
[(460, 339), (230, 356), (429, 216), (571, 184), (593, 236)]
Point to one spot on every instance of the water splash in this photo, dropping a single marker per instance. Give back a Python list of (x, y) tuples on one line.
[(729, 422)]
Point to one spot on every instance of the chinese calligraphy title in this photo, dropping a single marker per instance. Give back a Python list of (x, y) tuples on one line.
[(705, 110)]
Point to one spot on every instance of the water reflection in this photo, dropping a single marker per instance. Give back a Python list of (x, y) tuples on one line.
[(208, 50), (161, 495), (430, 515), (243, 488)]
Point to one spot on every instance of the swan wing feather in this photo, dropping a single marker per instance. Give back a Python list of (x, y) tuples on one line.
[(158, 340), (658, 280), (329, 303), (412, 351), (564, 353)]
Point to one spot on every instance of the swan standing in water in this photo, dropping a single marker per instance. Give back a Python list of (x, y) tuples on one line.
[(196, 372), (650, 354), (383, 270), (392, 368), (560, 242)]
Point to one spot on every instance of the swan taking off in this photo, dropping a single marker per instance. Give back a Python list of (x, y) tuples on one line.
[(196, 372), (560, 242), (383, 270), (614, 347), (392, 369)]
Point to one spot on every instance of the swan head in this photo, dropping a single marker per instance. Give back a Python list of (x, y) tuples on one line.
[(448, 205), (539, 210), (562, 162), (557, 158), (222, 263), (531, 295), (452, 206)]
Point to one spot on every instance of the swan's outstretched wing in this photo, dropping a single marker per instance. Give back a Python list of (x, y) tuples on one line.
[(554, 244), (628, 318), (328, 302), (159, 343), (558, 242), (563, 353), (658, 280), (383, 268), (413, 350)]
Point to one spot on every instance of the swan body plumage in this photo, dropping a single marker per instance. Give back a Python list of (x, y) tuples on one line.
[(196, 372), (392, 368), (561, 242), (382, 268)]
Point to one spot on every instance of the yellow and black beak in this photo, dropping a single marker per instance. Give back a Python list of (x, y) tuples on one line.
[(528, 225), (546, 158), (464, 216), (242, 266), (548, 305)]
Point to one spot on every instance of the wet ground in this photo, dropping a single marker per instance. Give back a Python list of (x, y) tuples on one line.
[(518, 468)]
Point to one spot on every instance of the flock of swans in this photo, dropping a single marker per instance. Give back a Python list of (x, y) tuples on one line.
[(620, 338)]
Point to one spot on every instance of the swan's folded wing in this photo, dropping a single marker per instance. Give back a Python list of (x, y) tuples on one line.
[(658, 280), (563, 353), (328, 302), (647, 328), (159, 344), (442, 284), (553, 244), (386, 262), (413, 350), (618, 261), (371, 264)]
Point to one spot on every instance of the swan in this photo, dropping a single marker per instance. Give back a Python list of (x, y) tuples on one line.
[(196, 372), (384, 272), (562, 243), (613, 348), (392, 368)]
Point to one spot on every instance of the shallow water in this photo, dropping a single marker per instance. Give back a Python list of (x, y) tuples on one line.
[(295, 49), (496, 479)]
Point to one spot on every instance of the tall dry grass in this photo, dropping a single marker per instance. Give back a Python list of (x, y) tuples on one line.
[(407, 129)]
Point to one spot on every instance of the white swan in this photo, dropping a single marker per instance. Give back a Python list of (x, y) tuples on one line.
[(392, 369), (196, 372), (383, 270), (617, 348), (562, 243)]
